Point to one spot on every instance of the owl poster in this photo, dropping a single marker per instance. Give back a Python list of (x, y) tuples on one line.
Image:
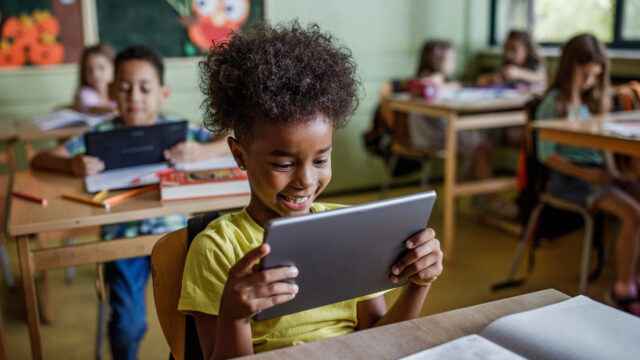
[(210, 21), (174, 28)]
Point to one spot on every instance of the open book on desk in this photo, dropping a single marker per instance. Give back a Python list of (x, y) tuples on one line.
[(67, 117), (123, 178), (623, 128), (578, 328)]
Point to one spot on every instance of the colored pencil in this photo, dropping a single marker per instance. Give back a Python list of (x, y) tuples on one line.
[(101, 195), (29, 197), (86, 201), (124, 196)]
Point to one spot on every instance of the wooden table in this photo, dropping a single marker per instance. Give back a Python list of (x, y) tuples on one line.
[(408, 337), (28, 218), (589, 133), (496, 113)]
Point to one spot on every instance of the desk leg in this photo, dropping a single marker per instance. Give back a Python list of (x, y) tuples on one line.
[(31, 303), (45, 294), (451, 145), (3, 354)]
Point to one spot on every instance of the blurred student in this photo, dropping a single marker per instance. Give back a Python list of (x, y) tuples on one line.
[(96, 73), (522, 66), (436, 66), (581, 175), (139, 90)]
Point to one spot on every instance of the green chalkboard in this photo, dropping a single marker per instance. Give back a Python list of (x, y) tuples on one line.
[(155, 23)]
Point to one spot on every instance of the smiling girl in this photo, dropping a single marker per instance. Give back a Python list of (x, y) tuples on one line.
[(282, 91)]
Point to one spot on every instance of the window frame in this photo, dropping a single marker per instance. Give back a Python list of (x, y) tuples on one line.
[(617, 43)]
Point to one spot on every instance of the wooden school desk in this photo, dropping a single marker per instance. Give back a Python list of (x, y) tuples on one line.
[(28, 133), (8, 135), (408, 337), (28, 218), (589, 133), (497, 113)]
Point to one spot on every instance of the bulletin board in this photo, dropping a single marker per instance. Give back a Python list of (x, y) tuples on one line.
[(174, 28), (50, 32), (40, 32)]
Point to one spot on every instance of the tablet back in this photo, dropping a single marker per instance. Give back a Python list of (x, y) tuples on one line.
[(133, 146), (344, 253)]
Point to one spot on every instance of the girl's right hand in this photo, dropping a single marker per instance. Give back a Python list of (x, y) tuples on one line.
[(85, 165), (249, 290)]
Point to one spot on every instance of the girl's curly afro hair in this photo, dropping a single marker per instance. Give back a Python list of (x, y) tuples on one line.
[(281, 74)]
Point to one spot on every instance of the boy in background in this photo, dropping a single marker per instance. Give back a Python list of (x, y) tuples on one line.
[(139, 91)]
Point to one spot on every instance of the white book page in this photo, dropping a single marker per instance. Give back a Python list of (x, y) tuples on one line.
[(476, 94), (579, 328), (472, 347), (218, 162), (123, 178), (66, 117), (628, 129)]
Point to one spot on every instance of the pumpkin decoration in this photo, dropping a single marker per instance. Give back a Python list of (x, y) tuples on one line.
[(10, 55), (47, 51), (22, 31), (45, 23)]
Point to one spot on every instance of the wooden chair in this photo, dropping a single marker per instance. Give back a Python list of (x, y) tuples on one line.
[(544, 199), (402, 148), (167, 265)]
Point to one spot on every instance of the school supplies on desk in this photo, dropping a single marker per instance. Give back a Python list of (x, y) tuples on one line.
[(114, 200), (101, 195), (623, 128), (84, 200), (469, 94), (218, 162), (154, 176), (33, 198), (182, 185), (123, 178), (66, 117), (578, 328)]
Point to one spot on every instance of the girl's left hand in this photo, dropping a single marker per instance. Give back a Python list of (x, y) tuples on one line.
[(186, 151), (423, 263)]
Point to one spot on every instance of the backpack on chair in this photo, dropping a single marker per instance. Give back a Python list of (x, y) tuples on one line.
[(378, 140)]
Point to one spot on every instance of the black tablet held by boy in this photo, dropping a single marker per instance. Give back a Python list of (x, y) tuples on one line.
[(344, 253), (133, 146)]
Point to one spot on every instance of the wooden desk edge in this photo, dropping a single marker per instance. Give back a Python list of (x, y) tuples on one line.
[(412, 332), (222, 203)]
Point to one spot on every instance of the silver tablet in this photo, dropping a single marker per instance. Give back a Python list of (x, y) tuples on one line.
[(344, 253)]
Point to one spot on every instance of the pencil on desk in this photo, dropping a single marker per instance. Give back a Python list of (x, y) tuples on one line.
[(124, 196), (86, 201), (29, 197), (101, 195)]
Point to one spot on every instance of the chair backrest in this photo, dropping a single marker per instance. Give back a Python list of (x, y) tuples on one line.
[(167, 265), (627, 96)]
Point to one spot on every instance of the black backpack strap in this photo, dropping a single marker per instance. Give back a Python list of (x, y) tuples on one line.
[(192, 349)]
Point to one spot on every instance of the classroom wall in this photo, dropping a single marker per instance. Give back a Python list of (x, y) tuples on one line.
[(385, 38)]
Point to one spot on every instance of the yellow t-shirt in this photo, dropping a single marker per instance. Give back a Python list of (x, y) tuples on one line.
[(218, 247)]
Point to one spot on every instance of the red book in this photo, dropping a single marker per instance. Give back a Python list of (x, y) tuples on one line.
[(183, 185)]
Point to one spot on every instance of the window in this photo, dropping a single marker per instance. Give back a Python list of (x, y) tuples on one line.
[(616, 23)]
